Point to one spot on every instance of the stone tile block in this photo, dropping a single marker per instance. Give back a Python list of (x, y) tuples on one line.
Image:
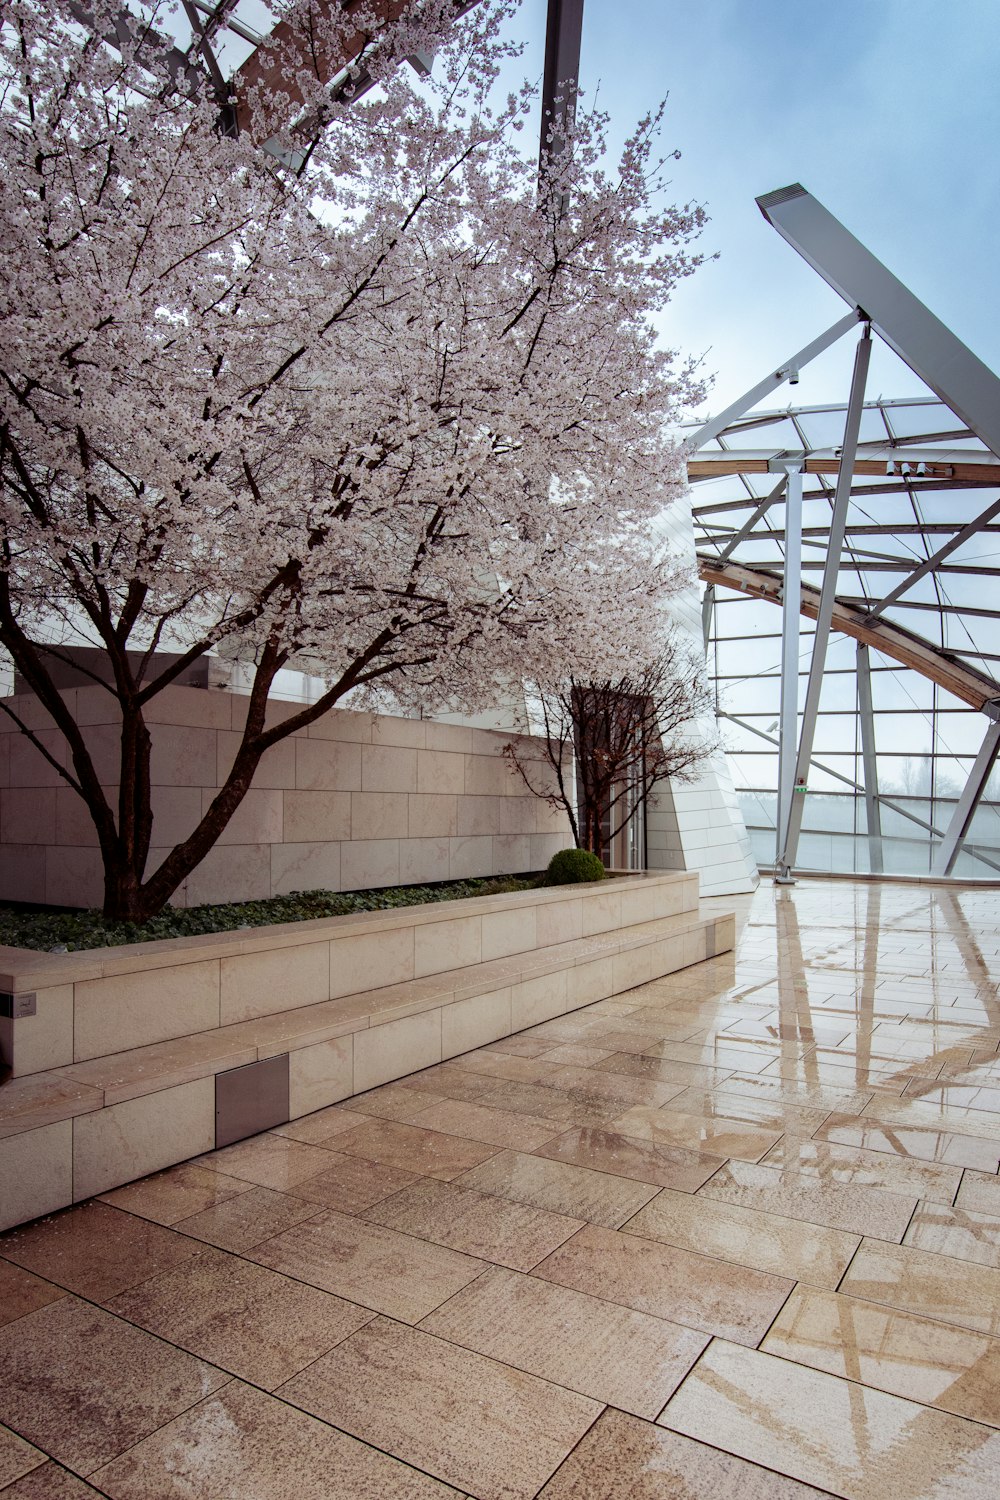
[(511, 853), (399, 1047), (448, 737), (73, 877), (183, 755), (422, 860), (366, 864), (378, 815), (233, 872), (320, 1075), (45, 1040), (326, 765), (388, 768), (432, 815), (276, 767), (480, 815), (22, 873), (197, 708), (490, 776), (536, 1000), (144, 1135), (177, 811), (440, 770), (370, 961), (312, 817), (258, 984), (404, 733), (507, 932), (29, 816), (440, 946), (471, 857), (257, 820), (36, 1173), (134, 1010), (467, 1024), (560, 922), (305, 867)]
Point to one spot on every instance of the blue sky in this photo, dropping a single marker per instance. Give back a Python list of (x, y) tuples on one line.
[(888, 111)]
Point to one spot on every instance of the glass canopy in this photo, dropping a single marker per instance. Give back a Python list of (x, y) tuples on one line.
[(921, 553)]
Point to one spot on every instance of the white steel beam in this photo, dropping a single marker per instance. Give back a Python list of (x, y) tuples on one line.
[(788, 371), (931, 350), (828, 593), (869, 760), (791, 621), (965, 808)]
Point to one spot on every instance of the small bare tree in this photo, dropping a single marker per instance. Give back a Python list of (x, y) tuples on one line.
[(621, 737)]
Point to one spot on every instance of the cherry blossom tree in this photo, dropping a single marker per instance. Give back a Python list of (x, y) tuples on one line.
[(608, 744), (379, 406)]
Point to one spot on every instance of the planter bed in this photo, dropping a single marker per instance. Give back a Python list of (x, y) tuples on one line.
[(135, 1054)]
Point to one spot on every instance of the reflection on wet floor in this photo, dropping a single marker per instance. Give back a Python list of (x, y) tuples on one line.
[(735, 1233)]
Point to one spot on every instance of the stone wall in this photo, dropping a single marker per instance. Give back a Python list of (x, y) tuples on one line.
[(355, 801)]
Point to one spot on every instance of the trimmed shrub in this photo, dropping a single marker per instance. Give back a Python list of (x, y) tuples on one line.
[(571, 866)]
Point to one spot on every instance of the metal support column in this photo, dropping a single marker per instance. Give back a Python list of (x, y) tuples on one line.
[(965, 809), (824, 617), (707, 611), (791, 617), (872, 809)]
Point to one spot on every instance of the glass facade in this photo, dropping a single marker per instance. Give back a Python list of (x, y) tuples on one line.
[(924, 488)]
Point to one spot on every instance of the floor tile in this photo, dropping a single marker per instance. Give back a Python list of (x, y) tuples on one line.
[(960, 1232), (21, 1292), (847, 1164), (617, 1088), (607, 1151), (95, 1250), (84, 1386), (392, 1102), (427, 1153), (494, 1229), (244, 1221), (272, 1161), (660, 1069), (711, 1295), (923, 1360), (176, 1193), (782, 1091), (599, 1348), (50, 1482), (924, 1142), (979, 1191), (858, 1209), (245, 1445), (477, 1424), (519, 1046), (576, 1055), (747, 1236), (246, 1319), (494, 1127), (450, 1082), (352, 1183), (502, 1065), (908, 1110), (716, 1135), (622, 1458), (377, 1268), (868, 1446), (933, 1285), (321, 1126), (16, 1456), (579, 1192)]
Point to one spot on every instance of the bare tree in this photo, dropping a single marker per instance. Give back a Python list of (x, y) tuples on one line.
[(609, 743)]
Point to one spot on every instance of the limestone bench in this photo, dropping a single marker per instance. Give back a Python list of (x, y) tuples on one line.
[(134, 1055)]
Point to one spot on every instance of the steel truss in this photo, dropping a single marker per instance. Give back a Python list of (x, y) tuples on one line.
[(877, 495)]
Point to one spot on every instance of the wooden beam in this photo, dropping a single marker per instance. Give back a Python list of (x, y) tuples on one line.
[(963, 682), (715, 465)]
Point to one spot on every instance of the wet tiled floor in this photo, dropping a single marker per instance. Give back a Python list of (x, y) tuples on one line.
[(735, 1234)]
